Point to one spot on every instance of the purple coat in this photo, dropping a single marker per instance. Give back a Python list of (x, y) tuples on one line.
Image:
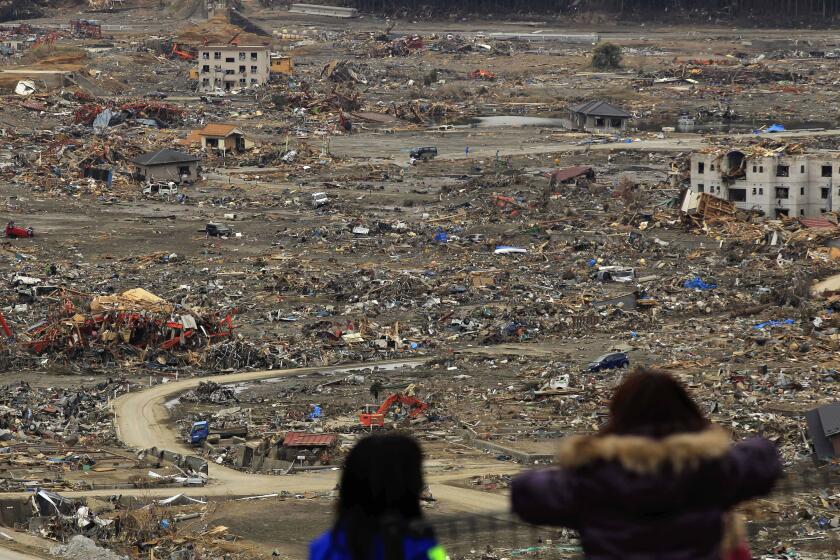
[(635, 498)]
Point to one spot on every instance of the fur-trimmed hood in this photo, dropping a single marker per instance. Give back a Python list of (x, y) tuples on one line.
[(644, 455)]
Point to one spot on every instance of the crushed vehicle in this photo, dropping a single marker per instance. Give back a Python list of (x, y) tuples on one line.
[(161, 188), (18, 232), (613, 360)]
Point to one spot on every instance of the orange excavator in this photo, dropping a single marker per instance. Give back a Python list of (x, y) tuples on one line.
[(181, 53), (416, 408)]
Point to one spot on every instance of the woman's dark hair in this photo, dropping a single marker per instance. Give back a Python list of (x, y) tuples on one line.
[(380, 489), (652, 403)]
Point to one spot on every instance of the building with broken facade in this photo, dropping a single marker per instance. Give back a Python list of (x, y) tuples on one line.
[(229, 67), (781, 182)]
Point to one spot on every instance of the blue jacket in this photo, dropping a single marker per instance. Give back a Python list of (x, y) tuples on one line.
[(416, 548)]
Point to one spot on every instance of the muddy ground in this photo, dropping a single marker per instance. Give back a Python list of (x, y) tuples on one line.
[(485, 350)]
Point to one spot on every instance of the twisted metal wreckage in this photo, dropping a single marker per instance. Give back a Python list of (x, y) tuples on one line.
[(132, 322)]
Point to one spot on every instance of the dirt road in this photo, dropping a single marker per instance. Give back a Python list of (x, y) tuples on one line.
[(488, 142), (141, 421)]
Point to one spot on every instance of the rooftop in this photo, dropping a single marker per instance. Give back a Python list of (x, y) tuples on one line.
[(223, 130), (164, 157), (600, 109), (304, 439)]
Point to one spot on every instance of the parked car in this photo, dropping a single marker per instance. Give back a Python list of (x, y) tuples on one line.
[(609, 361), (425, 154), (218, 230), (161, 188)]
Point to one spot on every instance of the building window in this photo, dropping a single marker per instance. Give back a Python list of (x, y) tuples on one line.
[(217, 55), (801, 211), (826, 171), (753, 190), (599, 121), (241, 69), (824, 193), (205, 68), (205, 55), (761, 169), (253, 69), (701, 167), (701, 187), (801, 190), (253, 80), (615, 123), (781, 192), (242, 81), (760, 190), (802, 169), (754, 168), (230, 60), (205, 82), (229, 72), (737, 195), (783, 171), (712, 167), (242, 56), (782, 212), (253, 56)]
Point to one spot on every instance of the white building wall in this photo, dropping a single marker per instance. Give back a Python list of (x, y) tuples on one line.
[(232, 67), (808, 192)]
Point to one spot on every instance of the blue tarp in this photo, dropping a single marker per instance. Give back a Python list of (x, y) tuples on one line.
[(775, 127), (697, 283), (774, 323), (316, 412)]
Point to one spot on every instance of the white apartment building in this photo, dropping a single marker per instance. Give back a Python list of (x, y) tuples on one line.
[(779, 185), (230, 67)]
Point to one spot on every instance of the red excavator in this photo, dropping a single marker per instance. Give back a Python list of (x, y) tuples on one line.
[(415, 405)]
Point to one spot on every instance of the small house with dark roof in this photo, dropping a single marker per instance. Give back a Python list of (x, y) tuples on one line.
[(598, 116), (166, 165)]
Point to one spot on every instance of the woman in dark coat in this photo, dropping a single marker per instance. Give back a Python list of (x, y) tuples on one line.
[(657, 482)]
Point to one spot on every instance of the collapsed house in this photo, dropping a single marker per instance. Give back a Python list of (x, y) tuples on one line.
[(283, 453), (125, 323)]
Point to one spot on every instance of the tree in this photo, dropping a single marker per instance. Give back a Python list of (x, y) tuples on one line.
[(606, 56)]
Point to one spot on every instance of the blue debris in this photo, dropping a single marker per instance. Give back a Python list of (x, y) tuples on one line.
[(697, 283), (774, 323), (441, 237), (316, 412)]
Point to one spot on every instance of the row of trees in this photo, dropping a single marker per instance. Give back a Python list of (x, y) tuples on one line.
[(779, 9)]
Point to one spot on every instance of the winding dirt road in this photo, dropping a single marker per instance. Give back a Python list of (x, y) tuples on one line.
[(141, 420)]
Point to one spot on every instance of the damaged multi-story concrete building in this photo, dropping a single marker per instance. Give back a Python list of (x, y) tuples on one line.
[(782, 182), (230, 67)]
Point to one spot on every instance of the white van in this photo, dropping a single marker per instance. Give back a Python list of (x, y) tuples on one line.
[(161, 188)]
